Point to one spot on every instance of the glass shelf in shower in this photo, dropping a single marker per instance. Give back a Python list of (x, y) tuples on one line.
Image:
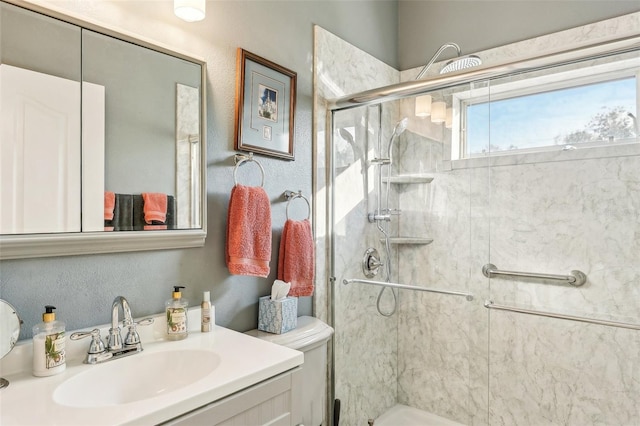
[(409, 240), (405, 179)]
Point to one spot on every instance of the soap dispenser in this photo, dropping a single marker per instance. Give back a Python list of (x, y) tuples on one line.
[(177, 315), (48, 345)]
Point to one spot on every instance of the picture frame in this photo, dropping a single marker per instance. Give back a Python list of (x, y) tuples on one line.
[(265, 106)]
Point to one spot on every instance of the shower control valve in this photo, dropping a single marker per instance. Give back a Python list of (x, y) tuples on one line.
[(371, 263), (374, 217)]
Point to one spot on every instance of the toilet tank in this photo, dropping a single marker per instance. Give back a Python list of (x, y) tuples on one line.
[(310, 337)]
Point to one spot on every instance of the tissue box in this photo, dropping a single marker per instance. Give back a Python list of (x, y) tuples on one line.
[(277, 316)]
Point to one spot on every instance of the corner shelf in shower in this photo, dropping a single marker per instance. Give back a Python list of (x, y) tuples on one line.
[(409, 240), (405, 179)]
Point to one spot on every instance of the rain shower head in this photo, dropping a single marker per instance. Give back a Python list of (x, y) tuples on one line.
[(461, 63), (456, 64)]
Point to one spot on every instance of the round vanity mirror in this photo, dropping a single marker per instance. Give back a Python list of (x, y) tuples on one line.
[(9, 331)]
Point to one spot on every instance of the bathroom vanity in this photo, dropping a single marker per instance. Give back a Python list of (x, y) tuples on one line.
[(217, 378)]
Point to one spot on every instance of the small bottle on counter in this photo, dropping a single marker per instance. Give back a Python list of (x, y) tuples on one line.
[(48, 345), (205, 313), (177, 315)]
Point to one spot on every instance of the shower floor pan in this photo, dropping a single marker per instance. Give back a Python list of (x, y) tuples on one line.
[(402, 415)]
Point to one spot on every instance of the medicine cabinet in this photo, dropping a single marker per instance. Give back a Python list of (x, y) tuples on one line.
[(88, 112)]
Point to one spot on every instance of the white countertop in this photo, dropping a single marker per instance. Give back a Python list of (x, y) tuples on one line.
[(244, 361)]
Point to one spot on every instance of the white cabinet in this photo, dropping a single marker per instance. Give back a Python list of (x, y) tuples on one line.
[(267, 403)]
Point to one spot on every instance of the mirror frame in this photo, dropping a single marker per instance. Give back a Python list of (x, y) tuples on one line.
[(79, 243)]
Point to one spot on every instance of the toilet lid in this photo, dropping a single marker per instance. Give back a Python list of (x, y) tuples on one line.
[(309, 331)]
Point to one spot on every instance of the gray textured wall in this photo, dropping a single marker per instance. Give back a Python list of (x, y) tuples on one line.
[(82, 287), (483, 24)]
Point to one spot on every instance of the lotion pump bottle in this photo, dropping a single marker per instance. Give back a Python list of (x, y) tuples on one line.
[(48, 345), (177, 315), (205, 313)]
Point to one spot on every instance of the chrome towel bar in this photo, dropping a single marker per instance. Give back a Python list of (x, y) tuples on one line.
[(490, 305), (468, 296), (575, 278)]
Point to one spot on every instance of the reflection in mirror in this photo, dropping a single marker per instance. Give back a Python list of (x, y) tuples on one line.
[(187, 155), (122, 134), (143, 120), (40, 123), (108, 118), (9, 332)]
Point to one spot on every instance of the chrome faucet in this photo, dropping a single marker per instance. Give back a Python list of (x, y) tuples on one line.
[(115, 338), (115, 347)]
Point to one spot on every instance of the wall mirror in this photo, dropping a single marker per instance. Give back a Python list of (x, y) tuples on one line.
[(9, 332), (101, 138)]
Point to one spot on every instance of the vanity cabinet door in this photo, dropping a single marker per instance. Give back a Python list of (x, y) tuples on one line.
[(267, 403)]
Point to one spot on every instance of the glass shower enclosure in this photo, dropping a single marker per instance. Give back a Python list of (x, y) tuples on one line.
[(483, 256)]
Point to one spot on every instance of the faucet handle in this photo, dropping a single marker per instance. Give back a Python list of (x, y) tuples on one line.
[(133, 338), (144, 321), (97, 351), (96, 346)]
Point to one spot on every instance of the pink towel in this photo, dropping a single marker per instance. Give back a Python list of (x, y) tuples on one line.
[(109, 204), (296, 260), (154, 227), (155, 207), (248, 248)]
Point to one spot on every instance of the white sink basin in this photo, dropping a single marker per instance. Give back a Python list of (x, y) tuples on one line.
[(135, 378)]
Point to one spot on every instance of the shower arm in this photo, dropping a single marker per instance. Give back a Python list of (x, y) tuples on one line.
[(435, 56)]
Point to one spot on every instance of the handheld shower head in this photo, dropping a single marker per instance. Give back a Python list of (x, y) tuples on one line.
[(399, 128), (346, 135)]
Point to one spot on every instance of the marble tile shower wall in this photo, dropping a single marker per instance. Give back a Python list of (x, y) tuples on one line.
[(567, 215), (442, 339), (558, 216)]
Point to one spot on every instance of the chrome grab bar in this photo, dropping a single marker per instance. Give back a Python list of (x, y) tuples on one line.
[(490, 305), (468, 296), (575, 278)]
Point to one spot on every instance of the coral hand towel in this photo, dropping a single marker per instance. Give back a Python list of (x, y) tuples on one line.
[(155, 207), (248, 248), (296, 261), (109, 204)]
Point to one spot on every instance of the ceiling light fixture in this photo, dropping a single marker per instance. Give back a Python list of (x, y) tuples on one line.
[(189, 10)]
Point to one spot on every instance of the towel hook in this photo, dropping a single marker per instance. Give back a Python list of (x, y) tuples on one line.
[(290, 196), (239, 159)]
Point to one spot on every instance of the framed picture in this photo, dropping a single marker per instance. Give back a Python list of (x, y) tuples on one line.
[(265, 106)]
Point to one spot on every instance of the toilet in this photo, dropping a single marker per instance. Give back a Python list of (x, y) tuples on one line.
[(310, 337)]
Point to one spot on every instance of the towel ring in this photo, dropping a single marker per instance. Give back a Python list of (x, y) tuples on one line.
[(290, 196), (239, 159)]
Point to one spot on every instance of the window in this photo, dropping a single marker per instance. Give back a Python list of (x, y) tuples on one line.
[(594, 105)]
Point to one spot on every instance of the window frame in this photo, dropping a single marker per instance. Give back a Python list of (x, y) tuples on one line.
[(615, 70)]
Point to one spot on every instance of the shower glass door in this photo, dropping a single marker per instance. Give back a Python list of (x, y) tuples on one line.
[(365, 349), (406, 351), (564, 197), (524, 195)]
